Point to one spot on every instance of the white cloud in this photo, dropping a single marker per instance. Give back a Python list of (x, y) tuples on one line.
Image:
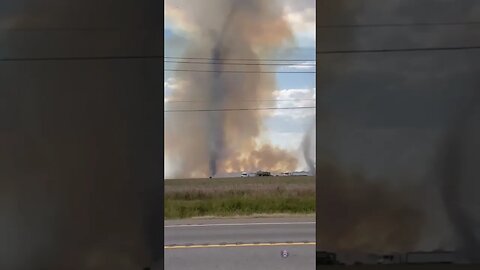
[(302, 20), (294, 98), (303, 66), (170, 85), (294, 93), (285, 140)]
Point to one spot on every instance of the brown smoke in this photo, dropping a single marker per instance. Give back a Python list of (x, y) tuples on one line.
[(204, 143), (267, 156), (356, 215), (308, 148)]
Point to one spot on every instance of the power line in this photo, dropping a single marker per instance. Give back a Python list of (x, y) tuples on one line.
[(126, 57), (243, 109), (239, 71), (400, 50), (246, 64), (453, 48)]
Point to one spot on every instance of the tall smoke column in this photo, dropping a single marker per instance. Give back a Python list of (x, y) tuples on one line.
[(207, 143), (459, 160), (216, 96), (309, 147), (216, 118)]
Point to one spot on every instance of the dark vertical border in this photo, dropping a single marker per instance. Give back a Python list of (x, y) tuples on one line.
[(83, 123), (149, 133), (317, 113), (328, 12)]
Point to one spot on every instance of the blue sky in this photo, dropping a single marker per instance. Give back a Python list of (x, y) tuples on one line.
[(283, 128)]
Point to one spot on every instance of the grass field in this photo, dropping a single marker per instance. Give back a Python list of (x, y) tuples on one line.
[(185, 198)]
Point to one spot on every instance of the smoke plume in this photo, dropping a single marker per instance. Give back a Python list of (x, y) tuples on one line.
[(359, 215), (205, 143), (309, 149)]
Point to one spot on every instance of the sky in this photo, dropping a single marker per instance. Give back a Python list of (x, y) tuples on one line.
[(282, 128)]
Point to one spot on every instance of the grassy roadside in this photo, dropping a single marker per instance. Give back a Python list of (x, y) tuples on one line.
[(185, 198)]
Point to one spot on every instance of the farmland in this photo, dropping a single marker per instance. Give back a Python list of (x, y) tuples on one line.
[(226, 197)]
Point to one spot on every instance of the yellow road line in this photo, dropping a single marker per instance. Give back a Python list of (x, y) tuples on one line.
[(241, 245)]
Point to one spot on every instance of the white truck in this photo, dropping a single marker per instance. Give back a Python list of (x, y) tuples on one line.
[(302, 173)]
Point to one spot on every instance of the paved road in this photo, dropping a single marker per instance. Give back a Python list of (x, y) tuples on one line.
[(240, 244)]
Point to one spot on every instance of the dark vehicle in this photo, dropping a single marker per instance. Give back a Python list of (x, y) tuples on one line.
[(262, 173)]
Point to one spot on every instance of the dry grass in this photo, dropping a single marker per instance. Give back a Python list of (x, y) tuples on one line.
[(239, 196)]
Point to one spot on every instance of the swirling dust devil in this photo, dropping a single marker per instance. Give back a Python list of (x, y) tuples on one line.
[(216, 138), (217, 98)]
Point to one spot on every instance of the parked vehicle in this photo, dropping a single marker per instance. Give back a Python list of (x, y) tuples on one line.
[(262, 173), (302, 173)]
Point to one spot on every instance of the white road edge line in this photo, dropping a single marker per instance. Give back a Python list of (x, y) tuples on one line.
[(238, 224), (240, 245)]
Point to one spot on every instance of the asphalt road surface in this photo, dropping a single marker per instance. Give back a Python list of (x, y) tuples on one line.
[(240, 244)]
